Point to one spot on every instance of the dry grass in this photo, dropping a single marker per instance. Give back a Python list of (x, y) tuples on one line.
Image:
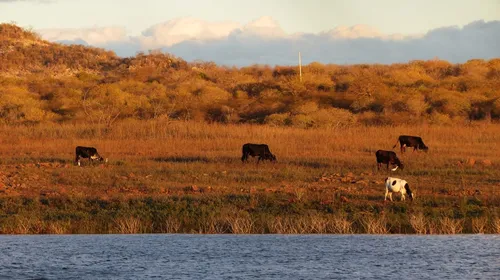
[(496, 226), (480, 225), (160, 159), (451, 226), (375, 224), (240, 223), (172, 225), (419, 223), (129, 225), (59, 227), (341, 225)]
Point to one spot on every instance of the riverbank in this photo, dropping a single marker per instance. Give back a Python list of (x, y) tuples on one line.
[(187, 177)]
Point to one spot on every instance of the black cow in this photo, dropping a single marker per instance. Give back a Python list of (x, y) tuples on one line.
[(388, 157), (87, 152), (411, 141), (260, 150)]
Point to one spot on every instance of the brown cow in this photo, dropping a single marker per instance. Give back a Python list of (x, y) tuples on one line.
[(388, 157)]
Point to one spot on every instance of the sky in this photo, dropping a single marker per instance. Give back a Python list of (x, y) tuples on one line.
[(269, 31)]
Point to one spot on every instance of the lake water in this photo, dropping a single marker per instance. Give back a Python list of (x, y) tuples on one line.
[(249, 257)]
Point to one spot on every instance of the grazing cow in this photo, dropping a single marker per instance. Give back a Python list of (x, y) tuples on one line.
[(260, 150), (388, 157), (87, 152), (394, 185), (411, 141)]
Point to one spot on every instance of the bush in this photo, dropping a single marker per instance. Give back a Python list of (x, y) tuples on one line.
[(333, 117), (302, 121), (278, 119)]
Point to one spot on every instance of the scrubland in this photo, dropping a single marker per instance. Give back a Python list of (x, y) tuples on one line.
[(173, 132), (176, 176)]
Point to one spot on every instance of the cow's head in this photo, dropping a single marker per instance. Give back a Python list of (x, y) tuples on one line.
[(399, 164), (411, 194), (425, 148), (270, 157), (99, 158)]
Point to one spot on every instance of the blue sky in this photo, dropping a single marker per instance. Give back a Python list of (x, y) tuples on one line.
[(128, 26)]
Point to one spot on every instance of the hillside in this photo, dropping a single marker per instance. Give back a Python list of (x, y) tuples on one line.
[(49, 82)]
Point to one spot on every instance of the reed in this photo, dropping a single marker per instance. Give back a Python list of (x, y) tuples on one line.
[(188, 177), (340, 225), (239, 224), (171, 225), (496, 225), (375, 224), (480, 225), (129, 225), (451, 226), (419, 223), (59, 227)]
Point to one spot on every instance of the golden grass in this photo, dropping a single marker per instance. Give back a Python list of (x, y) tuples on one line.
[(129, 225), (375, 224), (177, 159), (451, 226), (496, 226), (419, 223), (480, 225)]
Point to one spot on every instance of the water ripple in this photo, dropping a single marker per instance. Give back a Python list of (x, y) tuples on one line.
[(249, 257)]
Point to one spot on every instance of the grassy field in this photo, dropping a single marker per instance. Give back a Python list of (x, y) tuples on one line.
[(188, 177)]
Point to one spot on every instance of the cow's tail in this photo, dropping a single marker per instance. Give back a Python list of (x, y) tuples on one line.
[(397, 140)]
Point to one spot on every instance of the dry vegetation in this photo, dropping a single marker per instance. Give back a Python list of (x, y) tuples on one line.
[(167, 176), (43, 82), (173, 132)]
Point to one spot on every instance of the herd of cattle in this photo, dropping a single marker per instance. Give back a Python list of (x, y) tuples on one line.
[(262, 151)]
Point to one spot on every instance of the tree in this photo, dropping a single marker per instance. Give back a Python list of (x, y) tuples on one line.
[(17, 105), (104, 104)]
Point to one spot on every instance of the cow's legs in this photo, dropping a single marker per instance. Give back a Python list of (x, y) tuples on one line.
[(402, 197), (386, 193), (379, 164), (390, 196), (244, 157)]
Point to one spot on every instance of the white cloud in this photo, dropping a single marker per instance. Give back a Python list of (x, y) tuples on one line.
[(263, 41), (354, 32), (264, 27), (97, 36), (184, 29)]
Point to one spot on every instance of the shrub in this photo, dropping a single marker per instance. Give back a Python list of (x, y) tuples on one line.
[(278, 119), (302, 121), (332, 117)]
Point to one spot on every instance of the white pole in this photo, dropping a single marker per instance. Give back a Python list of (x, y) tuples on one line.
[(300, 67)]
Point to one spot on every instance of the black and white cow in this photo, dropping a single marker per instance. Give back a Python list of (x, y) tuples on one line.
[(87, 152), (396, 185), (411, 141), (260, 150)]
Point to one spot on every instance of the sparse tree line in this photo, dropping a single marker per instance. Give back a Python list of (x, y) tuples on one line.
[(46, 82)]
